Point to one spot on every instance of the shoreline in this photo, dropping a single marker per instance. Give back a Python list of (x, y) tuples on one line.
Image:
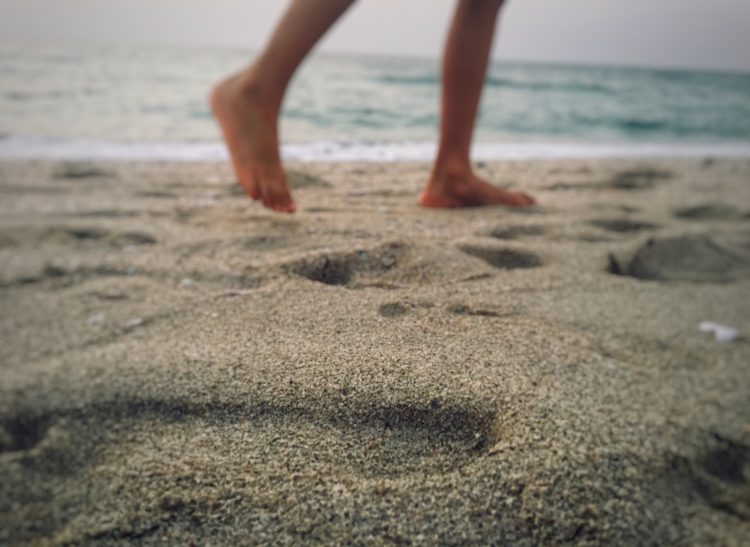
[(17, 148)]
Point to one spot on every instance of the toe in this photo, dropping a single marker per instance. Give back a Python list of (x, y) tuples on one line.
[(275, 196), (282, 201), (528, 200), (252, 187), (285, 207)]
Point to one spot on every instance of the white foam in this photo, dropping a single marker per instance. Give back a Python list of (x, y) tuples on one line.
[(68, 149)]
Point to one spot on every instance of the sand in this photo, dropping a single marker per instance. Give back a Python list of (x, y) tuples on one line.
[(179, 365)]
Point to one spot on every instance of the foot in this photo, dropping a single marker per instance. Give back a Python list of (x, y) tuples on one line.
[(465, 189), (248, 117)]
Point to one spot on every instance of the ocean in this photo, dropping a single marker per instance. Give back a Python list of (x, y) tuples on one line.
[(149, 103)]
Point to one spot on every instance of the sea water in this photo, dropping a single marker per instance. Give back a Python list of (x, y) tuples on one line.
[(140, 103)]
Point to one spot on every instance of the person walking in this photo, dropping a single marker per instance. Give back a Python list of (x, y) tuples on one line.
[(247, 106)]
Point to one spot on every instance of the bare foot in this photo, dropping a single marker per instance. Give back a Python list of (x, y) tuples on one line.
[(248, 117), (468, 190)]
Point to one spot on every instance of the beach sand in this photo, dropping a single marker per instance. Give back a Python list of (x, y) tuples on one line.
[(179, 365)]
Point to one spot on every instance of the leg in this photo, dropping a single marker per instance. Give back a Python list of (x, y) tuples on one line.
[(247, 105), (452, 182)]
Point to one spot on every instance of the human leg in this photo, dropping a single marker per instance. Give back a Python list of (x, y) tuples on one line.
[(247, 105), (452, 182)]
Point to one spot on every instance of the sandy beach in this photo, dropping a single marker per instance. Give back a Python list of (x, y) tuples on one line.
[(179, 365)]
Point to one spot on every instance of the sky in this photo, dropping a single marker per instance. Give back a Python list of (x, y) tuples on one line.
[(708, 34)]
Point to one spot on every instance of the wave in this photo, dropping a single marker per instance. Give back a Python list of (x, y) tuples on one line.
[(642, 125), (494, 81), (26, 148)]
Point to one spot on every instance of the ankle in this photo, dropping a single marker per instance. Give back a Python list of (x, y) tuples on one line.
[(253, 87), (450, 171)]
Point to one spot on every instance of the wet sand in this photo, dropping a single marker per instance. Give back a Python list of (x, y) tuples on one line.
[(179, 365)]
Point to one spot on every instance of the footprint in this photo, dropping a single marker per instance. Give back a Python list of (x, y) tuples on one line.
[(593, 238), (683, 258), (26, 189), (62, 276), (374, 268), (393, 309), (84, 233), (133, 238), (110, 238), (153, 441), (722, 476), (370, 439), (23, 432), (109, 213), (300, 179), (502, 258), (159, 194), (728, 461), (461, 309), (638, 179), (557, 186), (46, 445), (709, 211), (621, 225), (516, 232), (81, 170)]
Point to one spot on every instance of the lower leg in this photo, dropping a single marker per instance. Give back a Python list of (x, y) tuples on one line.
[(467, 51), (247, 105)]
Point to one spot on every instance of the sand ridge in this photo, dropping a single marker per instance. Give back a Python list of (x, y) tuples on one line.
[(179, 365)]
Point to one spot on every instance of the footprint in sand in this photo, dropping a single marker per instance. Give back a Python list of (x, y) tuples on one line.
[(101, 236), (378, 267), (400, 308), (45, 445), (157, 194), (621, 225), (393, 309), (462, 309), (23, 432), (300, 179), (638, 179), (698, 258), (62, 464), (517, 232), (710, 211), (365, 439), (501, 257), (112, 213), (81, 170), (62, 276), (722, 475)]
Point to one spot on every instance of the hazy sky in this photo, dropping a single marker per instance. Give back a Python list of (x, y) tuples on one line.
[(681, 33)]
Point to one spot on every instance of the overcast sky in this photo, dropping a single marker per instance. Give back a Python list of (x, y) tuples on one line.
[(711, 34)]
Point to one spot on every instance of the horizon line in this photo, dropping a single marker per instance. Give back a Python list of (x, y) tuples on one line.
[(623, 65)]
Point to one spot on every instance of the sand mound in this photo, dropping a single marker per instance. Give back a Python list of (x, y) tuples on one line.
[(684, 258)]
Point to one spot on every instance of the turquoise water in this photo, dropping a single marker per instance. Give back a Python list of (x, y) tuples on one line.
[(144, 102)]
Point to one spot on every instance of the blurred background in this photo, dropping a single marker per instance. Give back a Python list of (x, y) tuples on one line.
[(102, 79)]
